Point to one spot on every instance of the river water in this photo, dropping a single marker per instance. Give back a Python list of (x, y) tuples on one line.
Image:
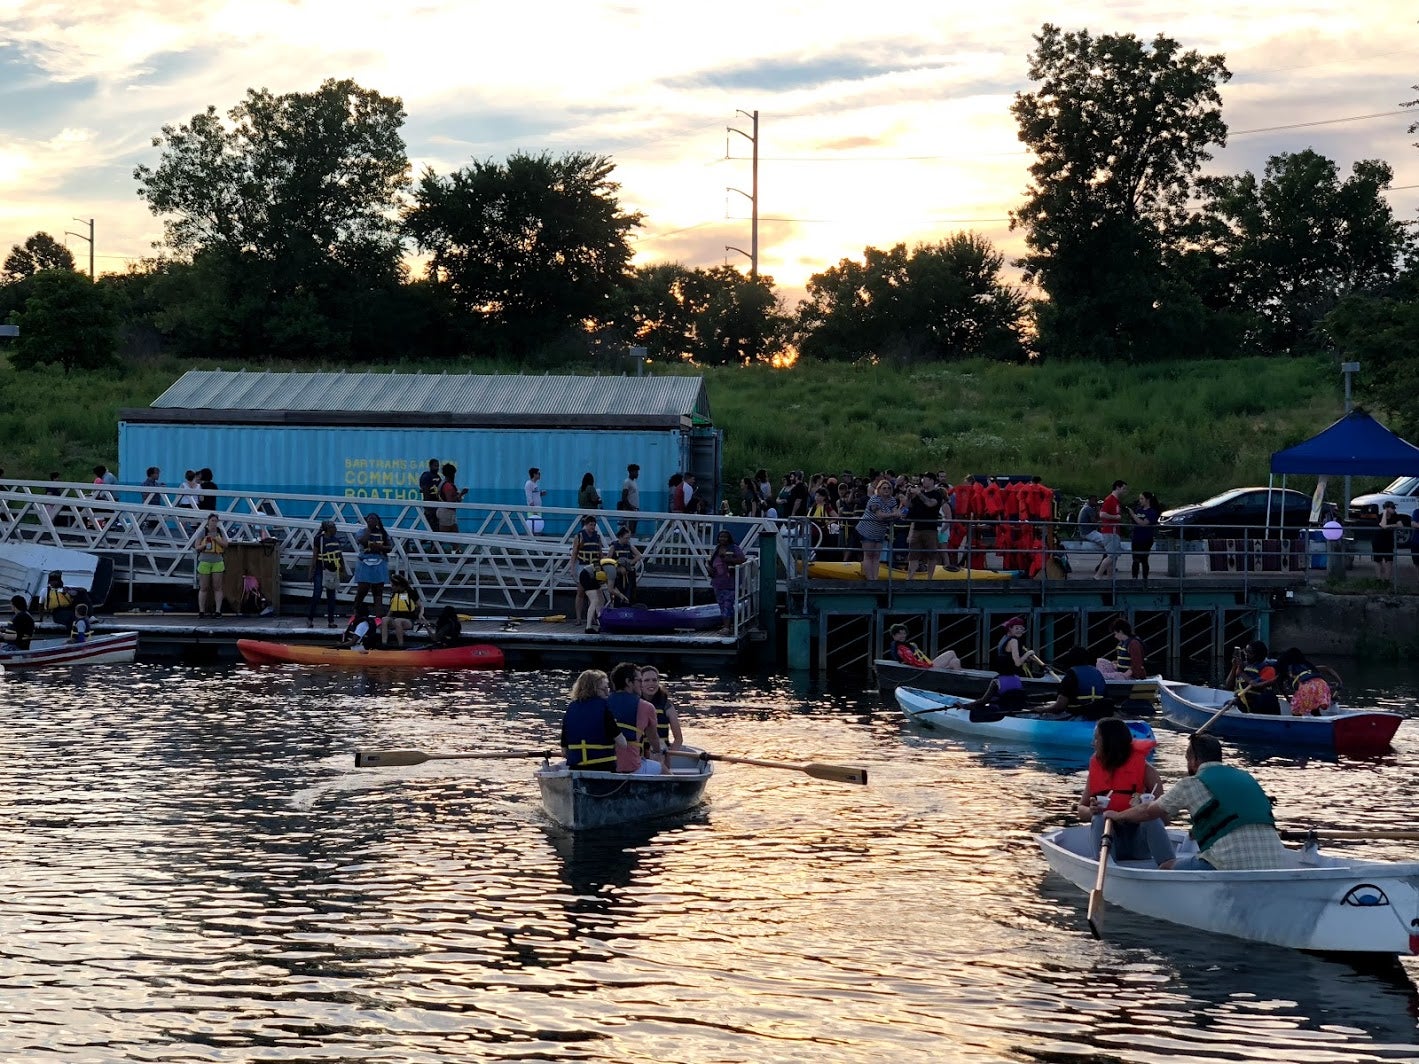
[(196, 871)]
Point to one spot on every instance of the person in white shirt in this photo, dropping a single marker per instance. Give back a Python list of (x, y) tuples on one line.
[(631, 494), (534, 492)]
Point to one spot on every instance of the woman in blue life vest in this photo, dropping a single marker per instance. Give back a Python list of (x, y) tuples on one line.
[(1119, 777), (1256, 678), (586, 559), (667, 720), (589, 733)]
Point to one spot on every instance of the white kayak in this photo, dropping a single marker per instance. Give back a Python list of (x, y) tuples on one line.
[(954, 714), (1324, 903)]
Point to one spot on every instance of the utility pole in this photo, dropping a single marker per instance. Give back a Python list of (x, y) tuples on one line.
[(752, 197), (89, 238)]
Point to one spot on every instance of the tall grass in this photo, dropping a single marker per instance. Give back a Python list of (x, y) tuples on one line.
[(1185, 429)]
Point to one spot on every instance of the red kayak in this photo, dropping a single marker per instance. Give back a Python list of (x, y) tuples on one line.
[(474, 656)]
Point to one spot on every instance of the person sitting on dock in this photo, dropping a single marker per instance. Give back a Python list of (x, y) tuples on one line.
[(1120, 777), (1256, 679), (910, 654), (1232, 821), (18, 633), (405, 610), (591, 737), (1310, 692), (1126, 662), (667, 720), (1012, 649), (636, 719), (447, 629), (1083, 692)]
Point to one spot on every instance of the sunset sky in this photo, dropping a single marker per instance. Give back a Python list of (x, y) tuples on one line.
[(880, 123)]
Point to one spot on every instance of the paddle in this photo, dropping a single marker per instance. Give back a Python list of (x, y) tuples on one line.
[(388, 758), (553, 618), (816, 769), (1216, 716), (1096, 896), (1362, 836)]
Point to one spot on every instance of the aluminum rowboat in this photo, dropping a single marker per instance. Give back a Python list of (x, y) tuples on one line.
[(108, 648), (1345, 732), (584, 801)]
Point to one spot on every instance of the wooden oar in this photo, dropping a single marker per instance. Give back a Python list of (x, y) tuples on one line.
[(387, 758), (1216, 716), (1349, 833), (1096, 896), (816, 769)]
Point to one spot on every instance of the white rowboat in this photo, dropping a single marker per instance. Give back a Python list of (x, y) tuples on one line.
[(110, 648), (583, 801), (1324, 903)]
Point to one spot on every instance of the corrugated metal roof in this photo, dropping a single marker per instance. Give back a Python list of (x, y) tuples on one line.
[(432, 393)]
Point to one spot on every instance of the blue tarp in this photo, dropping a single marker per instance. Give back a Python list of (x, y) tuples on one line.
[(1356, 445)]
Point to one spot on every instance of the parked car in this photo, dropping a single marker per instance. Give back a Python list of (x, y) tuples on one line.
[(1240, 513), (1365, 509)]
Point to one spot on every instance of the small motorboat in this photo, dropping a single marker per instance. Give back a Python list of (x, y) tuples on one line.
[(473, 656), (1343, 731), (584, 801), (955, 714), (107, 648), (644, 620), (1324, 903), (853, 571), (972, 683)]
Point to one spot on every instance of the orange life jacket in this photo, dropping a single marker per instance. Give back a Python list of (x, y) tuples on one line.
[(1126, 780)]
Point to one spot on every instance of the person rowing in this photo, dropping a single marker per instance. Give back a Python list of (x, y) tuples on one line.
[(910, 654), (1120, 777), (1083, 692), (1232, 820), (1256, 679), (1011, 648)]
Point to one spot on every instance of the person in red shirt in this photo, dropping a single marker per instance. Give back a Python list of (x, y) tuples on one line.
[(1110, 513)]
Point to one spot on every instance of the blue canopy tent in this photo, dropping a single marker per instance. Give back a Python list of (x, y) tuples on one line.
[(1356, 445)]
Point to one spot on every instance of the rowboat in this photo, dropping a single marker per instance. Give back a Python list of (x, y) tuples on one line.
[(473, 656), (951, 713), (108, 648), (584, 801), (853, 571), (644, 619), (1330, 904), (972, 683), (1343, 731)]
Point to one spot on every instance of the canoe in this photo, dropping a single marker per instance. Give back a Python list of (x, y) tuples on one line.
[(108, 648), (473, 656), (1323, 903), (972, 683), (674, 618), (584, 801), (853, 571), (1343, 731), (945, 711)]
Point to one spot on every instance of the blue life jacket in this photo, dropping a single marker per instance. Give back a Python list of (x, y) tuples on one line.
[(624, 705), (661, 702), (1237, 800), (1092, 686), (585, 731)]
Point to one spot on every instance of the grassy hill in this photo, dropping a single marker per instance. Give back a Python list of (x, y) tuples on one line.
[(1184, 429)]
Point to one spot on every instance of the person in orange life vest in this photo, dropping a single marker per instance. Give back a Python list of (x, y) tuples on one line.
[(1119, 777), (1126, 661), (910, 654)]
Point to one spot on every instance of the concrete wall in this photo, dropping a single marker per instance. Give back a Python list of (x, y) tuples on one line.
[(1360, 626)]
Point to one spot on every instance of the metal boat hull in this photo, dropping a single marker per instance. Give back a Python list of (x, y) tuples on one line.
[(1189, 706), (585, 801), (108, 648)]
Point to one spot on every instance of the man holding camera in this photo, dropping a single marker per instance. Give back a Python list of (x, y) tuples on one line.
[(924, 502)]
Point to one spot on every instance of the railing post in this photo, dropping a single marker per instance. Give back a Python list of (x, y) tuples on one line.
[(768, 591)]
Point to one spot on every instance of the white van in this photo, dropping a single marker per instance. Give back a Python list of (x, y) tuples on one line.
[(1404, 493)]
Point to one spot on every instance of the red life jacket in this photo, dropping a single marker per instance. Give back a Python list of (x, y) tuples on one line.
[(1126, 780), (908, 654), (994, 500)]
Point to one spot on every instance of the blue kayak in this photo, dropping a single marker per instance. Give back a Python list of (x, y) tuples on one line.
[(953, 714)]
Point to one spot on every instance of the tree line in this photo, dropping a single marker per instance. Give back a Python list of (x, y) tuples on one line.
[(290, 223)]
